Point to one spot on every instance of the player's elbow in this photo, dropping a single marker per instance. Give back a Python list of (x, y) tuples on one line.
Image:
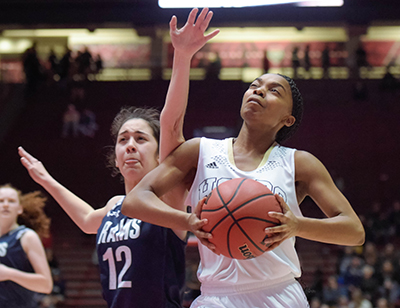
[(48, 287), (359, 235)]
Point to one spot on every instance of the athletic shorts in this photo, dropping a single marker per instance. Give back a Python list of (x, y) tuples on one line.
[(288, 294)]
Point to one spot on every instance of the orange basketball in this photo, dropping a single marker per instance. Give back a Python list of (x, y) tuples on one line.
[(237, 213)]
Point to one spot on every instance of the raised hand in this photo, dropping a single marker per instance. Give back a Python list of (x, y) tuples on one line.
[(35, 167), (190, 38)]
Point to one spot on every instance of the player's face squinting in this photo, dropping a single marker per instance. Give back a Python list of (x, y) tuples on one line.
[(268, 100), (10, 207), (136, 149)]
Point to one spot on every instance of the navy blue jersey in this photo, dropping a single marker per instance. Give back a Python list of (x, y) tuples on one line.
[(141, 265), (12, 254)]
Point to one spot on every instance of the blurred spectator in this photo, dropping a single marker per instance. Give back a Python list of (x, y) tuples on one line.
[(343, 302), (70, 122), (389, 252), (32, 68), (361, 59), (358, 300), (266, 63), (87, 123), (332, 291), (389, 286), (214, 67), (344, 259), (326, 61), (307, 61), (84, 61), (369, 284), (353, 274), (315, 302), (64, 67), (65, 64), (98, 64), (53, 63), (295, 61), (382, 303), (370, 254)]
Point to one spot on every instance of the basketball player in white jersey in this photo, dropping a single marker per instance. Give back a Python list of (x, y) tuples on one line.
[(271, 111)]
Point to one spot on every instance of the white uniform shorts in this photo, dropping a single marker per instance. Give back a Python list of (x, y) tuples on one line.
[(288, 294)]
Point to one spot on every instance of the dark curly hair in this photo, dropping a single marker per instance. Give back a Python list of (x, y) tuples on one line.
[(149, 114), (297, 111), (33, 215)]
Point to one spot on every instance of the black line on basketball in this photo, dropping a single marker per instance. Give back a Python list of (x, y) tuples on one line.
[(236, 191), (244, 232), (230, 213)]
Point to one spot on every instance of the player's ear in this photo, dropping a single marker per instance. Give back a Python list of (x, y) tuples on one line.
[(289, 121)]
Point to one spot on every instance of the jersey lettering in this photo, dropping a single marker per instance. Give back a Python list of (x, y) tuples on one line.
[(128, 228), (209, 184), (3, 249)]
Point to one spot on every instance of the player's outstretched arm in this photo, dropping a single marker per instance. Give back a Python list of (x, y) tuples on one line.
[(85, 216), (39, 281), (342, 225), (186, 42)]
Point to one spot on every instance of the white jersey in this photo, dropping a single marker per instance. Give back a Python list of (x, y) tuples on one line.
[(276, 171)]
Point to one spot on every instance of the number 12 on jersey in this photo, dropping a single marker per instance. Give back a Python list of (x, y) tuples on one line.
[(109, 256)]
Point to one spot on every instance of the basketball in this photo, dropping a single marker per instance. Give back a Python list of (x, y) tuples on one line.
[(237, 213)]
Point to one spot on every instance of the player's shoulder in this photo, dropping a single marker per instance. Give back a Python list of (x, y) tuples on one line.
[(29, 237), (113, 201), (189, 146), (302, 157), (307, 164), (27, 232)]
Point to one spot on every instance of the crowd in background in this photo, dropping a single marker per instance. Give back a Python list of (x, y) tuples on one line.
[(366, 276)]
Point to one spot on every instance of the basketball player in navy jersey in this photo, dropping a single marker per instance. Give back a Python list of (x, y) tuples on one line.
[(24, 269), (141, 265), (271, 111)]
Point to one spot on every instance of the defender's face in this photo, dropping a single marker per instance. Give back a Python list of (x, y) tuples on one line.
[(136, 149)]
